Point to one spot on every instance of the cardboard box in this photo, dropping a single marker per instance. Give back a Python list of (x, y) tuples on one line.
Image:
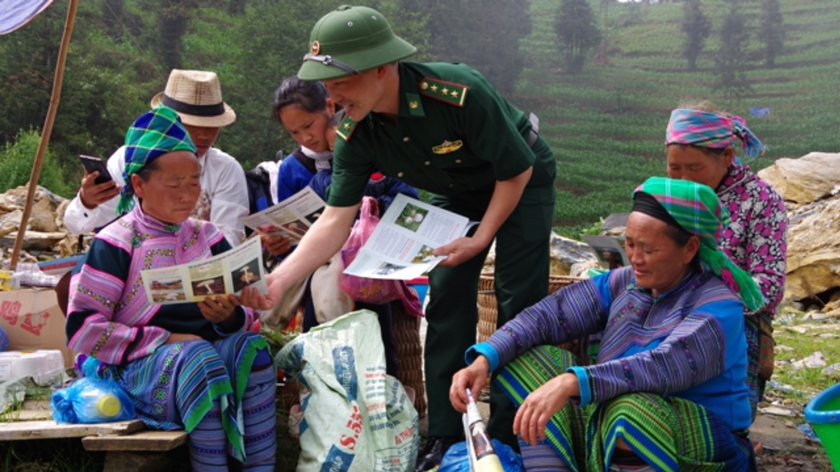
[(33, 320)]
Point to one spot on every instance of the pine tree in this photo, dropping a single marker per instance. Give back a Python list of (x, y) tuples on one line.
[(577, 32), (731, 58), (771, 32), (696, 27)]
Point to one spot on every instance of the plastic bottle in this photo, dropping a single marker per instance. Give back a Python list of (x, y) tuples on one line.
[(91, 401)]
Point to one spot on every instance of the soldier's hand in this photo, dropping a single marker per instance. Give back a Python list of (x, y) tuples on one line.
[(458, 251), (252, 298), (92, 194)]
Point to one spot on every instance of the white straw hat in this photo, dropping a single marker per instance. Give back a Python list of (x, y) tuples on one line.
[(197, 97)]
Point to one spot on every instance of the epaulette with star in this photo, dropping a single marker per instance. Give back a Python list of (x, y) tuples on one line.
[(449, 92), (346, 128)]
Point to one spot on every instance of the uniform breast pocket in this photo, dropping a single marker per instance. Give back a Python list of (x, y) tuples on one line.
[(456, 161)]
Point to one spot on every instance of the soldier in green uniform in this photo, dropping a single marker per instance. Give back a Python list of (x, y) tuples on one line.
[(445, 129)]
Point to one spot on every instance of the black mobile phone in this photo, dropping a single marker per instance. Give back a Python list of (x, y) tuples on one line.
[(94, 163)]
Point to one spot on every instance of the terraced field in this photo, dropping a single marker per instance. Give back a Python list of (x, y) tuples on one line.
[(607, 124)]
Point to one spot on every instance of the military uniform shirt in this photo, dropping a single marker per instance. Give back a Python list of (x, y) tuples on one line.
[(455, 136)]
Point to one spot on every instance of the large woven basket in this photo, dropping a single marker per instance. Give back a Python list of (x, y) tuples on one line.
[(409, 354), (487, 310)]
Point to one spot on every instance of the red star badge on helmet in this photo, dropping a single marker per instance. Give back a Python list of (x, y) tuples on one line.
[(316, 47)]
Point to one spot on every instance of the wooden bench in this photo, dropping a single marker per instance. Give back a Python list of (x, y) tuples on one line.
[(129, 447), (143, 451)]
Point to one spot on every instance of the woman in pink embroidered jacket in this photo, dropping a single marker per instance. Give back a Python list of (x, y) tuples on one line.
[(192, 366), (700, 144)]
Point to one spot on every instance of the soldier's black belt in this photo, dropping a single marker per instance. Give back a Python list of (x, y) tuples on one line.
[(535, 129)]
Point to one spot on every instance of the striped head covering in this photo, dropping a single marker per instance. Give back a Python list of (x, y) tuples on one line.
[(155, 133), (697, 209), (711, 130)]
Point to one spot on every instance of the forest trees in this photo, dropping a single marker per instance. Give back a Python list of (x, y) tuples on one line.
[(456, 27), (577, 33), (696, 27), (771, 31)]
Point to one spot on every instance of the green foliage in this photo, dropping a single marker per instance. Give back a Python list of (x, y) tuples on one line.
[(771, 31), (482, 33), (731, 59), (577, 31), (696, 27), (605, 124), (16, 161)]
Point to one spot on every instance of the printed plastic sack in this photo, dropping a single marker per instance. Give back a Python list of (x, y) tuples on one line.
[(375, 291), (89, 400), (355, 417), (457, 459)]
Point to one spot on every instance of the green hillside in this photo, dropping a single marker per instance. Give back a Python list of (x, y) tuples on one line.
[(607, 124)]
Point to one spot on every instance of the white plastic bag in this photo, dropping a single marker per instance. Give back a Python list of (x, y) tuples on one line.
[(355, 417)]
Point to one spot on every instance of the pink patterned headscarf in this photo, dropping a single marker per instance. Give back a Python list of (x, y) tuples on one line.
[(711, 130)]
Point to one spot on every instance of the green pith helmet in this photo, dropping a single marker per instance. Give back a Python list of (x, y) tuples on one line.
[(350, 40)]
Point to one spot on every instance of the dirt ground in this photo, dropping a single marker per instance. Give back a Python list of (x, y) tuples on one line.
[(785, 448)]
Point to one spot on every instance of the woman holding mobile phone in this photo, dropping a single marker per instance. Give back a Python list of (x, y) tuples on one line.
[(197, 98)]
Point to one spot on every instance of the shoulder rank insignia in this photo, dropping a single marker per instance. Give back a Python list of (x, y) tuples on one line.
[(449, 92), (346, 128)]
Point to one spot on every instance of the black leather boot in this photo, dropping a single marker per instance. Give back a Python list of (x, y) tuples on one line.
[(433, 451)]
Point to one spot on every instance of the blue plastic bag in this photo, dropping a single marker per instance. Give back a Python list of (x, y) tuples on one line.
[(4, 340), (89, 400), (457, 459)]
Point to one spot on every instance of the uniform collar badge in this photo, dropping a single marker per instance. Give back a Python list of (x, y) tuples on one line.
[(448, 146)]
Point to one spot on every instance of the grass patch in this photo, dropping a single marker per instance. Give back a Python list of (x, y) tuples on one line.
[(797, 338)]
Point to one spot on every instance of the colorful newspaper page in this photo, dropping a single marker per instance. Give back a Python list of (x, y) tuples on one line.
[(403, 243), (291, 218), (225, 274)]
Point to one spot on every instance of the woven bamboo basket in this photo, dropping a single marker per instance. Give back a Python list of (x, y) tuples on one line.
[(409, 354), (487, 310)]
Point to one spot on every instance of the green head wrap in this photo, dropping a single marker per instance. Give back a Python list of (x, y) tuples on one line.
[(155, 133), (697, 209)]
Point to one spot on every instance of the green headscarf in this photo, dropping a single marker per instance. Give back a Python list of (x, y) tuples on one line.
[(697, 209), (153, 134)]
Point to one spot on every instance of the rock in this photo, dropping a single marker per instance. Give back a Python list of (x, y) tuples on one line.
[(832, 371), (567, 252), (814, 361), (814, 315), (796, 181), (69, 246), (581, 269), (42, 217), (59, 213), (34, 240), (776, 411), (813, 259), (9, 222)]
